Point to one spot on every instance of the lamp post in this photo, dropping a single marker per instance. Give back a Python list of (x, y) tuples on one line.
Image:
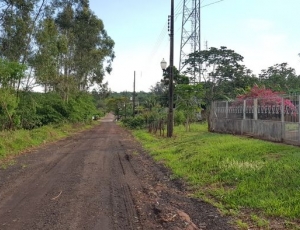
[(133, 97)]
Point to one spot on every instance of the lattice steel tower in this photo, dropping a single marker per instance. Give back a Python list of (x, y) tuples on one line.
[(190, 35)]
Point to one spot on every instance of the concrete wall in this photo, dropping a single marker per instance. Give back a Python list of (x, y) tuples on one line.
[(277, 131)]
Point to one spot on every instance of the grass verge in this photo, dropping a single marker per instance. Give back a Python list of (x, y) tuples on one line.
[(249, 178), (13, 143)]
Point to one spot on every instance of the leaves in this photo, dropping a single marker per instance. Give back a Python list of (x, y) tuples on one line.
[(267, 98), (280, 77), (10, 72)]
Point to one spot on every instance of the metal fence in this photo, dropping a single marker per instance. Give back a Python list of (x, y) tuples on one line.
[(275, 119)]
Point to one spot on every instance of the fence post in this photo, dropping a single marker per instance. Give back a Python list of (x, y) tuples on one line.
[(298, 119), (244, 110), (299, 109), (244, 117), (255, 109), (226, 110), (282, 109), (282, 120)]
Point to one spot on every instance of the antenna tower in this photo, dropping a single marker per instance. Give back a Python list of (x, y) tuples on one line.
[(190, 35)]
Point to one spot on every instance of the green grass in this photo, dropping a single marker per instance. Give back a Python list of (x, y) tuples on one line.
[(233, 172), (13, 143)]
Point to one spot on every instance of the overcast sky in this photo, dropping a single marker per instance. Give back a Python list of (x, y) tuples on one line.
[(264, 32)]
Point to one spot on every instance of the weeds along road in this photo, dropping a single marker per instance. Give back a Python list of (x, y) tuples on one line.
[(98, 179)]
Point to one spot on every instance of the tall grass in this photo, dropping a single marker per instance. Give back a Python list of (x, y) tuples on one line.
[(233, 172), (14, 142)]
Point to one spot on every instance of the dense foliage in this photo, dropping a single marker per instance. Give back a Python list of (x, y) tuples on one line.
[(223, 77), (267, 97), (32, 110), (60, 46), (62, 42)]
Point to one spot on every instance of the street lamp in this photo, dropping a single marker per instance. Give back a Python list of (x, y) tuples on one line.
[(163, 64)]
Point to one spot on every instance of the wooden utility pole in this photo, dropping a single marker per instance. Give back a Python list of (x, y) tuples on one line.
[(171, 86), (133, 97)]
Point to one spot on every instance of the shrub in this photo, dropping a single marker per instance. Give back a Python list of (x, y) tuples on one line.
[(9, 119), (136, 122), (81, 107), (179, 117)]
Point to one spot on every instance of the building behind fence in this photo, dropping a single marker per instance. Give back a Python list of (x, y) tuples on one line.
[(276, 119)]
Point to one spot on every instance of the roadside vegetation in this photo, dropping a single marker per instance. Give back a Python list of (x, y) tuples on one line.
[(14, 143), (255, 181), (45, 44), (44, 48)]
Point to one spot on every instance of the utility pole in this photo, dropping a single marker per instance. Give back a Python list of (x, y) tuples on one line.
[(171, 86), (133, 97)]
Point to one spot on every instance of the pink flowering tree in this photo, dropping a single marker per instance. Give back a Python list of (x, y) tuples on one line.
[(266, 98)]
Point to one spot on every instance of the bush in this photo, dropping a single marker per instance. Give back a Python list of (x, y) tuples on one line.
[(9, 118), (51, 109), (137, 122), (81, 107), (179, 117), (38, 109), (27, 110)]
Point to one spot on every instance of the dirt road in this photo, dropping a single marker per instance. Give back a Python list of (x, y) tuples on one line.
[(98, 179)]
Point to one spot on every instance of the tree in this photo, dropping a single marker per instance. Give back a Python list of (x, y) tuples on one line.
[(100, 94), (88, 51), (116, 104), (267, 98), (45, 61), (219, 66), (223, 75), (17, 28), (160, 91), (243, 80), (177, 77), (281, 78), (93, 46), (10, 73), (18, 25), (189, 101)]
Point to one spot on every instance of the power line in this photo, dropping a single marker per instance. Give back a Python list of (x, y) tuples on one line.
[(163, 32), (212, 3)]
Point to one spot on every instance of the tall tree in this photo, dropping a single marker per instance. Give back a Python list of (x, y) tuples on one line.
[(88, 44), (280, 77), (222, 72), (45, 60), (92, 47), (19, 19)]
